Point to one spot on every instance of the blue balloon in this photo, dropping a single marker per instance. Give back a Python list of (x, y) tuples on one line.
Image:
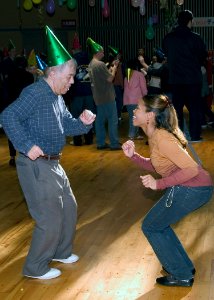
[(50, 7)]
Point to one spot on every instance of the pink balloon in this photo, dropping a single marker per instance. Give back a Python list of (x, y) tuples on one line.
[(106, 10), (50, 7)]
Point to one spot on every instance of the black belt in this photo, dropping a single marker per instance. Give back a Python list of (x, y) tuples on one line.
[(51, 157)]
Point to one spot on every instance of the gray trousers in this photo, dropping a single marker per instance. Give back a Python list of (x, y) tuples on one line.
[(53, 207)]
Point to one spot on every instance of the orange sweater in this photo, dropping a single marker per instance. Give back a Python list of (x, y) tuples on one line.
[(172, 162)]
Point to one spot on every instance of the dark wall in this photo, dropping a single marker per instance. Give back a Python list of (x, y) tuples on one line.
[(26, 28), (126, 28)]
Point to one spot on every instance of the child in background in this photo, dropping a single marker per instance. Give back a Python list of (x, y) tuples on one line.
[(135, 88)]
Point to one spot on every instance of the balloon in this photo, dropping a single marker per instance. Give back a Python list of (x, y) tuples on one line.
[(150, 32), (150, 21), (105, 10), (135, 3), (28, 5), (50, 7), (142, 8), (71, 4), (91, 2), (36, 1), (60, 2), (180, 2), (155, 19)]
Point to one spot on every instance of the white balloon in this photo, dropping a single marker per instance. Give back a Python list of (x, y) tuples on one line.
[(91, 3), (180, 2), (142, 8), (135, 3)]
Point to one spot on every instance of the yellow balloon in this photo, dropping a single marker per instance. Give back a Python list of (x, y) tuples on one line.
[(36, 1), (28, 5)]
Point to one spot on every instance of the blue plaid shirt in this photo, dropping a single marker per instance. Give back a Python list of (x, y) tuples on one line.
[(39, 117)]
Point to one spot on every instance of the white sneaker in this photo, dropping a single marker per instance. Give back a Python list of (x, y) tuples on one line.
[(52, 273), (71, 259)]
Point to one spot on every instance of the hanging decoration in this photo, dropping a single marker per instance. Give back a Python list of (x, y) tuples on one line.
[(27, 5), (155, 19), (163, 4), (36, 1), (50, 4), (50, 7), (180, 2), (135, 3), (170, 17), (71, 4), (91, 3), (76, 43), (150, 31), (142, 8), (106, 10)]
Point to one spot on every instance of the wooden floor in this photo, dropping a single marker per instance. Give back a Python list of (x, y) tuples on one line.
[(116, 261)]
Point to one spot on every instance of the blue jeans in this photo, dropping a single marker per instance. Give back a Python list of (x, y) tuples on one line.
[(119, 99), (133, 131), (175, 204), (107, 112)]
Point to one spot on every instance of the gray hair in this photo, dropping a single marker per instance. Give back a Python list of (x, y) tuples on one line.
[(59, 68)]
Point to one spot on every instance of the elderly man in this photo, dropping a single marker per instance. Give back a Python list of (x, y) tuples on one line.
[(37, 124)]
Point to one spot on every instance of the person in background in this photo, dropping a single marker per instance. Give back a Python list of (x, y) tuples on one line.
[(158, 74), (6, 68), (35, 65), (115, 55), (80, 94), (135, 88), (187, 185), (186, 52), (207, 115), (37, 123), (104, 97), (18, 79), (141, 52)]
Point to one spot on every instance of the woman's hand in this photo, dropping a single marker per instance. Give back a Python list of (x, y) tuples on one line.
[(149, 182), (129, 148), (87, 117)]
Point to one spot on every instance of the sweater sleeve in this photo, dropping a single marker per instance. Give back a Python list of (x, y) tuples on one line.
[(187, 168), (177, 177), (143, 162)]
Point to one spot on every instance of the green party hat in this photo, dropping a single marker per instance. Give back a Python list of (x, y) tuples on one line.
[(113, 51), (57, 54), (93, 46), (11, 45)]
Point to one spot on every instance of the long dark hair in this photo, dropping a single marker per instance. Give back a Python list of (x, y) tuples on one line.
[(165, 115)]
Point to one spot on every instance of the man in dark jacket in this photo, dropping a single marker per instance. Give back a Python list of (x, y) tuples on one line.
[(186, 51)]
